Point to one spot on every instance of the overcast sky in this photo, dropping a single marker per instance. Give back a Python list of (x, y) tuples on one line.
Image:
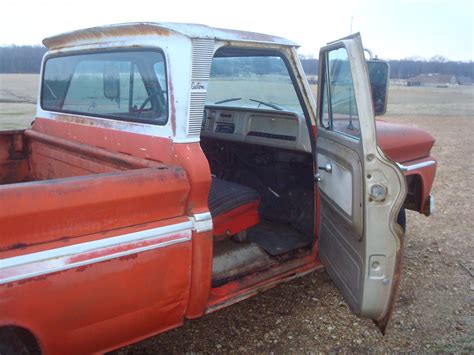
[(391, 28)]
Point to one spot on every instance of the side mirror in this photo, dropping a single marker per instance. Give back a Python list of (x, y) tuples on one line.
[(379, 77), (112, 81)]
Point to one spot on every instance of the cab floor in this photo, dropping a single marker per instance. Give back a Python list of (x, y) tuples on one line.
[(277, 239), (265, 243)]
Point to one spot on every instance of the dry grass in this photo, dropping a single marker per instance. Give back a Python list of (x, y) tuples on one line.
[(434, 310), (18, 94)]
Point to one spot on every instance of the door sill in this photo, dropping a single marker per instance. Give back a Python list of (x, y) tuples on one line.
[(248, 286)]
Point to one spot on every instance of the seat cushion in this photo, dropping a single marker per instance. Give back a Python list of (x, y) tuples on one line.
[(233, 207), (225, 196)]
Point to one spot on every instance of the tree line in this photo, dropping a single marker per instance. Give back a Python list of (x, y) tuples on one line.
[(410, 67), (21, 59), (27, 59)]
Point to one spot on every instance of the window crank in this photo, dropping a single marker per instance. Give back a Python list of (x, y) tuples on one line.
[(327, 168)]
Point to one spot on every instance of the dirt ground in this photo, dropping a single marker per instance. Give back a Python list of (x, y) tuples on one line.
[(436, 301)]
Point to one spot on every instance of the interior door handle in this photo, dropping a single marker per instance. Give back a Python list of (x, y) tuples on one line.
[(327, 168)]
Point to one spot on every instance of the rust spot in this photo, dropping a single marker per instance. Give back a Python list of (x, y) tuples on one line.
[(190, 208), (14, 246), (182, 202), (172, 114), (25, 245), (98, 34), (128, 257), (82, 268), (179, 173), (36, 278), (252, 36), (383, 322)]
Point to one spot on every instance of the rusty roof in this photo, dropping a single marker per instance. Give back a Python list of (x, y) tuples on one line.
[(102, 33)]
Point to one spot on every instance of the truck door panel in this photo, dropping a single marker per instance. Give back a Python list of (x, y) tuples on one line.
[(341, 187), (361, 190)]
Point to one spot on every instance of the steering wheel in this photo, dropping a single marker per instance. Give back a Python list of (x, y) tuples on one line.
[(161, 101)]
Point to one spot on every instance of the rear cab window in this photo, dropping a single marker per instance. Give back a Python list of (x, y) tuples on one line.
[(125, 85)]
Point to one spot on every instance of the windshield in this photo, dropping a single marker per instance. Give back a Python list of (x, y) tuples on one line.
[(258, 82)]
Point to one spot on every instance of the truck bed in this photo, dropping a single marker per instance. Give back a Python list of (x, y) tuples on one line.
[(57, 190)]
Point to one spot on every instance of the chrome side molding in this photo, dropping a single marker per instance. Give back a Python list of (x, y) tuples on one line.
[(424, 164), (202, 222)]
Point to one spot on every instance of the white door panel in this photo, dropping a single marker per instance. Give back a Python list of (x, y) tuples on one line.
[(360, 242), (342, 187), (338, 186)]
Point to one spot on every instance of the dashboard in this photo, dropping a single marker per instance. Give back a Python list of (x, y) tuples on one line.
[(265, 127)]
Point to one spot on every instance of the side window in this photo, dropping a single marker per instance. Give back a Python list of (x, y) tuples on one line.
[(339, 111)]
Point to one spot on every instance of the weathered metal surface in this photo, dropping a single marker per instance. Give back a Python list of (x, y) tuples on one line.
[(231, 259), (251, 285), (99, 306), (56, 234), (178, 42), (97, 34), (177, 51), (403, 143), (189, 156), (120, 161), (424, 170), (367, 272), (78, 206), (58, 259), (13, 158)]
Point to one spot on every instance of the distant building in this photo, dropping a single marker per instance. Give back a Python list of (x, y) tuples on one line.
[(312, 79), (438, 80), (464, 80)]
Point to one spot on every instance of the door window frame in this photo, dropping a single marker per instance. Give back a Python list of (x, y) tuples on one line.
[(324, 88)]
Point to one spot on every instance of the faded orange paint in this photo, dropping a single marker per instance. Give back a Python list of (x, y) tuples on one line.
[(416, 143), (13, 158), (120, 299)]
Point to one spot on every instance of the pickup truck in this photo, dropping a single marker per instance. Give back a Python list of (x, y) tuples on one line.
[(175, 169)]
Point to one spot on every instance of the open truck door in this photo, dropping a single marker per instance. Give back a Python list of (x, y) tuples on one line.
[(361, 190)]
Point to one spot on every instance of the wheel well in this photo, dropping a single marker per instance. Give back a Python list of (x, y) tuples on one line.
[(415, 188), (24, 336)]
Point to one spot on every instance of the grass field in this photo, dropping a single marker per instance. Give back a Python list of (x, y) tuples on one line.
[(434, 308), (18, 94)]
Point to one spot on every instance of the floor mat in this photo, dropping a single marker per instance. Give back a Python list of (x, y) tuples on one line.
[(277, 239)]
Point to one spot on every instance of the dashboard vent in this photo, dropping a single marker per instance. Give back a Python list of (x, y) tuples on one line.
[(203, 51)]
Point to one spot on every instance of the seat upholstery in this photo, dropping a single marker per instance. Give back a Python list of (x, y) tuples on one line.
[(233, 207)]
